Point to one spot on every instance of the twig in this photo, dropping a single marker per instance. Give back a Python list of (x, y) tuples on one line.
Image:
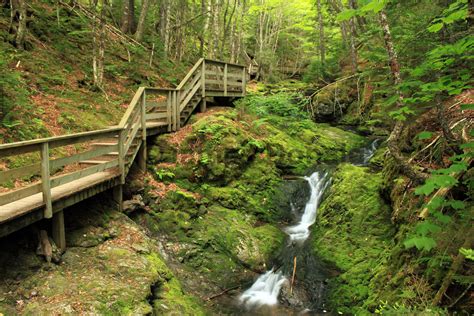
[(222, 293), (294, 274), (460, 296), (435, 140)]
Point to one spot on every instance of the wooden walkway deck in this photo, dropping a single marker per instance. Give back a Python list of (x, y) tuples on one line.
[(70, 168)]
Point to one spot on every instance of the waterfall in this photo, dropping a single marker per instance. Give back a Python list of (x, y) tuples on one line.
[(264, 291), (266, 288), (318, 182)]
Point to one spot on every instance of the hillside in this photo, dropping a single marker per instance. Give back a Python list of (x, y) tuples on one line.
[(47, 89)]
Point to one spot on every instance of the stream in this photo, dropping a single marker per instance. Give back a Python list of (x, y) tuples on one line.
[(276, 291)]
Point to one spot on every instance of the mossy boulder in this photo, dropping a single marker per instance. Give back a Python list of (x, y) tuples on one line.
[(115, 274), (354, 233)]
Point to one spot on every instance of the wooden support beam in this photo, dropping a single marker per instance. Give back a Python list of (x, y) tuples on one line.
[(117, 195), (59, 231), (177, 109), (121, 156), (45, 181), (244, 81), (203, 80), (169, 112), (142, 153), (225, 80), (203, 105)]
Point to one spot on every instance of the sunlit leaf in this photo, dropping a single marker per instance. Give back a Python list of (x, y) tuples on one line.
[(424, 135), (435, 27)]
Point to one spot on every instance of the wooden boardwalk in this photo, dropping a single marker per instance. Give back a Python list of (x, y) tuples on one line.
[(70, 168)]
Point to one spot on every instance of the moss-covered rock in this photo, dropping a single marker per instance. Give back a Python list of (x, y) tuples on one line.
[(354, 233), (117, 274)]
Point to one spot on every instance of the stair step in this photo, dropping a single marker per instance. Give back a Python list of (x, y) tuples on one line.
[(104, 144), (93, 162)]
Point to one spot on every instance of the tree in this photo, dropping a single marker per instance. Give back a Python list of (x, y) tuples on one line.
[(322, 47), (395, 135), (128, 17), (98, 47), (142, 19), (19, 14)]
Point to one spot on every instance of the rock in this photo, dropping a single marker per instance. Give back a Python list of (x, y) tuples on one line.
[(133, 205)]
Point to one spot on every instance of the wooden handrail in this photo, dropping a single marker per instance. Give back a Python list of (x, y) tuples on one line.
[(130, 134), (190, 73)]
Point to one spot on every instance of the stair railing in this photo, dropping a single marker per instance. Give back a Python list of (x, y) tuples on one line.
[(121, 143)]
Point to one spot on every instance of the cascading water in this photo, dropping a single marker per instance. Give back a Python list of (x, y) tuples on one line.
[(367, 153), (266, 288), (318, 183)]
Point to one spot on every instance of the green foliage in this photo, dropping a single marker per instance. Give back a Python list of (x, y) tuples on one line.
[(468, 253), (164, 174), (457, 11), (424, 235), (280, 104)]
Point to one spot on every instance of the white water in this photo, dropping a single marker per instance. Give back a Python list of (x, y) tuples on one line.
[(368, 153), (267, 287), (264, 291), (318, 183)]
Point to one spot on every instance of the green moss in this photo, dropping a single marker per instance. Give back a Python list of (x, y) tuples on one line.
[(354, 233)]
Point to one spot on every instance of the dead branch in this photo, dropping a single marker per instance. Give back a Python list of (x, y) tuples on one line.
[(222, 293), (293, 276)]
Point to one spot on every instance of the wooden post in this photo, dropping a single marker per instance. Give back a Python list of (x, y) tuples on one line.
[(169, 112), (202, 107), (178, 110), (244, 79), (121, 157), (59, 231), (45, 181), (225, 80), (117, 195), (142, 153)]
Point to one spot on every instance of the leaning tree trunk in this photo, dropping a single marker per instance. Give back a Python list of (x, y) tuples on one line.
[(142, 20), (395, 136)]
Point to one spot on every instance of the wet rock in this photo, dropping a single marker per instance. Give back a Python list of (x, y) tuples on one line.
[(294, 297), (133, 205)]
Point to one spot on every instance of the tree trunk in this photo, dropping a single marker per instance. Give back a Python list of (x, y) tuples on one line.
[(322, 47), (18, 12), (202, 38), (394, 138), (142, 20), (353, 37), (98, 47), (164, 25), (128, 17)]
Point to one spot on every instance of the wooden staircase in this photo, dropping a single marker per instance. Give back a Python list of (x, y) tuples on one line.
[(101, 159)]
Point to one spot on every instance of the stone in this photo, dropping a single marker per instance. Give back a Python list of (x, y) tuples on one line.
[(133, 205)]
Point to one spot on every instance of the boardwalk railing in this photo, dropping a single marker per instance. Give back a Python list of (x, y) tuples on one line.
[(63, 170)]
